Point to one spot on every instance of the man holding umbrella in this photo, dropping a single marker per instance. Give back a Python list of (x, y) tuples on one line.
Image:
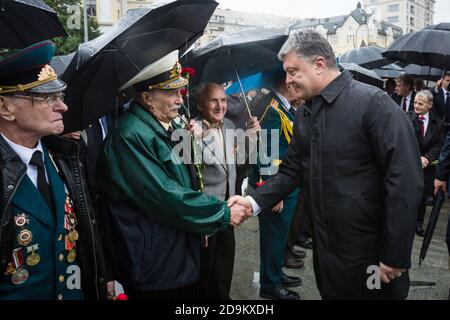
[(355, 155), (158, 218)]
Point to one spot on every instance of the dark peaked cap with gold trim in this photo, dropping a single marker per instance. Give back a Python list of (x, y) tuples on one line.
[(29, 71), (164, 74)]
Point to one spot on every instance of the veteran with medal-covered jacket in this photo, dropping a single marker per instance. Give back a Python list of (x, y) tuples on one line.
[(157, 218), (49, 244)]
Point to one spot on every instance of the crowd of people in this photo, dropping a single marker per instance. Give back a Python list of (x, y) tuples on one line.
[(350, 170)]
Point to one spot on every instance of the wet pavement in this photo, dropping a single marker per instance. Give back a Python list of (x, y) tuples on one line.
[(435, 268)]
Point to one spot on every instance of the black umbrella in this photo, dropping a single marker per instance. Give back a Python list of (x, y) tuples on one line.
[(246, 52), (25, 22), (427, 47), (234, 55), (366, 57), (60, 63), (434, 215), (143, 36), (363, 75), (391, 71), (424, 72)]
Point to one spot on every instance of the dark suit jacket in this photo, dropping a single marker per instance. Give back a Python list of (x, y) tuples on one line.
[(398, 100), (439, 104), (430, 146)]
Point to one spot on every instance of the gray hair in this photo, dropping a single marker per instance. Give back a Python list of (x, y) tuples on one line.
[(425, 94), (308, 45)]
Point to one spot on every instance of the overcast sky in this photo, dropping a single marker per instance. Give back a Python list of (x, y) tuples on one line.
[(315, 8)]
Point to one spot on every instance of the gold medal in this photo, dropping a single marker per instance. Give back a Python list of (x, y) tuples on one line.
[(71, 256), (73, 235), (10, 269), (33, 259), (20, 276), (24, 237)]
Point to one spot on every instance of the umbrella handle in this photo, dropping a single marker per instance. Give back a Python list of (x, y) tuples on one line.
[(240, 83)]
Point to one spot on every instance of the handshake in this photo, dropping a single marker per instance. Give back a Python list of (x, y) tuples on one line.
[(240, 210)]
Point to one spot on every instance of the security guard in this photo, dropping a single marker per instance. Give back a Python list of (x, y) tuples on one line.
[(275, 115), (48, 241)]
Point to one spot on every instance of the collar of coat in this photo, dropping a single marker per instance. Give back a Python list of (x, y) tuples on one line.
[(150, 120), (334, 89)]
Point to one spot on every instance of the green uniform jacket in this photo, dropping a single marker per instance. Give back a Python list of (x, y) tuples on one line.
[(157, 217)]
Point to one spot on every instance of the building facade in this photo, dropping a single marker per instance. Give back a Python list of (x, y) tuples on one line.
[(410, 15), (351, 31), (226, 21), (108, 12)]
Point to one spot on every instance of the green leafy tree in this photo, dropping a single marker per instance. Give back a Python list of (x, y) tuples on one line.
[(64, 8)]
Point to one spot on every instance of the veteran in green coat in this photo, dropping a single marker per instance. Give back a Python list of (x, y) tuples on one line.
[(157, 218)]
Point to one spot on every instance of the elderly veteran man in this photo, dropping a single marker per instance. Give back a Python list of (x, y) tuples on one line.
[(158, 219), (219, 175), (49, 244)]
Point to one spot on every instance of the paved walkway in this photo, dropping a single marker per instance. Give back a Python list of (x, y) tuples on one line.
[(434, 269)]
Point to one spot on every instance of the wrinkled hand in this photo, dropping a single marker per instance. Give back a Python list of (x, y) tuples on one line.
[(278, 208), (438, 184), (253, 125), (111, 290), (238, 214), (389, 273), (73, 135), (194, 129), (425, 162), (240, 205)]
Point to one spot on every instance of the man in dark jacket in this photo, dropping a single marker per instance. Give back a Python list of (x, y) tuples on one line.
[(355, 154), (429, 131), (441, 104), (404, 92), (49, 243)]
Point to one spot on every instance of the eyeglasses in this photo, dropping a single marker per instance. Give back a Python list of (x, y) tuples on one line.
[(50, 99)]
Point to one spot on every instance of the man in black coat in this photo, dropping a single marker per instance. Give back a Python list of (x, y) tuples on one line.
[(429, 131), (404, 92), (442, 101), (356, 156)]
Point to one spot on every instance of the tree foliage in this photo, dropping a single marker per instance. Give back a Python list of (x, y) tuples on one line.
[(65, 10)]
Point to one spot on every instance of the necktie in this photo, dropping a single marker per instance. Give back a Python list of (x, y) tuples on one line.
[(404, 105), (43, 187), (422, 126)]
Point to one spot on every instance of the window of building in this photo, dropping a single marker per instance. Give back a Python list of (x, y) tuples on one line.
[(393, 7), (412, 9), (411, 21), (393, 19)]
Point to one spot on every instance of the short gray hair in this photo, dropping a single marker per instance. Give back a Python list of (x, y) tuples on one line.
[(308, 45), (425, 94)]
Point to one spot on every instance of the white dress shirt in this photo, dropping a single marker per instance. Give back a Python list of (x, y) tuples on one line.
[(25, 155), (408, 101)]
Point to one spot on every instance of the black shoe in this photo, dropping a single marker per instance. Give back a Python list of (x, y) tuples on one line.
[(299, 254), (290, 282), (306, 244), (293, 263), (280, 293), (420, 232)]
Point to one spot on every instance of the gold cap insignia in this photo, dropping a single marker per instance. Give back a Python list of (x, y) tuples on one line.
[(47, 74)]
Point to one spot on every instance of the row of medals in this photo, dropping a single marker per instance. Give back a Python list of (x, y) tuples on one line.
[(16, 268)]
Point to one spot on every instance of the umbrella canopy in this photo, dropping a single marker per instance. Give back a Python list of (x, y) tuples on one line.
[(363, 75), (246, 52), (257, 81), (423, 72), (434, 215), (427, 47), (367, 57), (60, 63), (25, 22), (391, 71), (143, 36)]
